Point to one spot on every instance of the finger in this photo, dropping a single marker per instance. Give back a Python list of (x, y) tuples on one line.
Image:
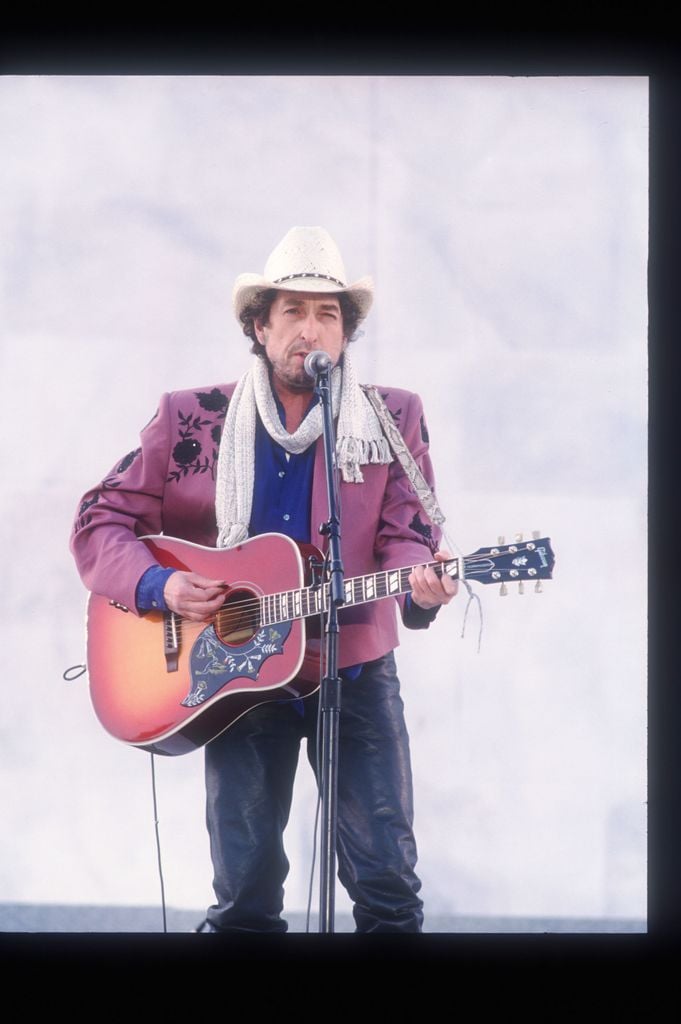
[(194, 596), (203, 582), (201, 595), (443, 556), (428, 590), (193, 610), (448, 585)]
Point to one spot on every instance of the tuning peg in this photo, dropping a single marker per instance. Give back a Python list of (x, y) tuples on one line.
[(536, 534), (501, 540), (538, 589), (518, 537), (503, 590), (521, 587)]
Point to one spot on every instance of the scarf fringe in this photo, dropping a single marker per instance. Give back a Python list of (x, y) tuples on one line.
[(353, 452)]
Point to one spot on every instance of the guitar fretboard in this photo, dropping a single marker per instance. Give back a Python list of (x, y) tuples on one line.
[(299, 604)]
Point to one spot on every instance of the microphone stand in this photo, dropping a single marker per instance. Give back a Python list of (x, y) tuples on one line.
[(330, 696)]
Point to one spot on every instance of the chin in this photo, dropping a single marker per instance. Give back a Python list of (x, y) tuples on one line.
[(304, 384)]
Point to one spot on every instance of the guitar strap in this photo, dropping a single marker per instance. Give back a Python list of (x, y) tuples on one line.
[(424, 493), (397, 443)]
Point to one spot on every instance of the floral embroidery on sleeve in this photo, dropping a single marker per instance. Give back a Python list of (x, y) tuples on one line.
[(125, 463), (424, 530), (189, 453), (84, 517)]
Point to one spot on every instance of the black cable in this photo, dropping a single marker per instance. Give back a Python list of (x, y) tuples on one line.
[(74, 672), (158, 844)]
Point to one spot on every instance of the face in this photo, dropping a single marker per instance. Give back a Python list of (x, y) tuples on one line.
[(300, 323)]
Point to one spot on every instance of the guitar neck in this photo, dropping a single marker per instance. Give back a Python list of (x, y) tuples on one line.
[(300, 604), (528, 560)]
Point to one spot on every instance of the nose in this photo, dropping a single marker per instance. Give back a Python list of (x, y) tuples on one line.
[(309, 328)]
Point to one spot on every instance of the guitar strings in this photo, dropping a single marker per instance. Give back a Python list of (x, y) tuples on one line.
[(254, 603)]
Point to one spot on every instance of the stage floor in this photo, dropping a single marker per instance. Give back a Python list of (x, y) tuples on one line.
[(43, 918)]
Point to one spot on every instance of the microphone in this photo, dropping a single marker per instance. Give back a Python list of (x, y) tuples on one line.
[(317, 362)]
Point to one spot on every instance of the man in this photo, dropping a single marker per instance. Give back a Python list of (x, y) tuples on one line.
[(221, 464)]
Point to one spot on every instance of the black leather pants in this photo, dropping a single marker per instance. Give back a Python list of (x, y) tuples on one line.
[(249, 782)]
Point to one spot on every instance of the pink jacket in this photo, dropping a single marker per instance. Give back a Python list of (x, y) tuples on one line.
[(167, 485)]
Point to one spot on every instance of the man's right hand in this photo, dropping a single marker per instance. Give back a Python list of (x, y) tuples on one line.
[(194, 596)]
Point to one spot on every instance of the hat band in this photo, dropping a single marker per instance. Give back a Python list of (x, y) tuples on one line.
[(292, 277)]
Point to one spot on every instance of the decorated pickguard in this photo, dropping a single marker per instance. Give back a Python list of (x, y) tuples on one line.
[(212, 663)]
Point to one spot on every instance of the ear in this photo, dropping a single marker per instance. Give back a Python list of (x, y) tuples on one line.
[(258, 327)]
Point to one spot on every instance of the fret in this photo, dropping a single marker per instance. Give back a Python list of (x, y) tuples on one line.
[(300, 604)]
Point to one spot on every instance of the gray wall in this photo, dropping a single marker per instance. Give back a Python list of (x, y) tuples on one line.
[(505, 223)]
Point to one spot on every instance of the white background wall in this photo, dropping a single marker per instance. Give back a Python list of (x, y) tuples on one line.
[(505, 223)]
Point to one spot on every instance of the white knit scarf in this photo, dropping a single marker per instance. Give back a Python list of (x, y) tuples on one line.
[(359, 440)]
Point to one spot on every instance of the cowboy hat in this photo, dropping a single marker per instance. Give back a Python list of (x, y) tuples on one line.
[(306, 260)]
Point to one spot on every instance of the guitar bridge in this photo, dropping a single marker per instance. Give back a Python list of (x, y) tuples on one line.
[(171, 641)]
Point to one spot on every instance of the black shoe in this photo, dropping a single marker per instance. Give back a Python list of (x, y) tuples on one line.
[(205, 927)]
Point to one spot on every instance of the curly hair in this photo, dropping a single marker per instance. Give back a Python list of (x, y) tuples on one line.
[(259, 309)]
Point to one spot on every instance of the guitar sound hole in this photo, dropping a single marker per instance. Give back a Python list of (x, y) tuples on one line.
[(239, 618)]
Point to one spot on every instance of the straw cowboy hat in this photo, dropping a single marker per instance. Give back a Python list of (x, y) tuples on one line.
[(306, 260)]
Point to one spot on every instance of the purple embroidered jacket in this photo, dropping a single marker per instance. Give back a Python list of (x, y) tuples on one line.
[(167, 485)]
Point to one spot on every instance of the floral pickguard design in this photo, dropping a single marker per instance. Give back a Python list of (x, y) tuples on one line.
[(212, 663), (188, 453)]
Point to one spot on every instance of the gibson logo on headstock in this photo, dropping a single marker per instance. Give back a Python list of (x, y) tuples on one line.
[(542, 554)]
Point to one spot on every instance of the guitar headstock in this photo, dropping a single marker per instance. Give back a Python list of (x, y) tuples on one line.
[(521, 561)]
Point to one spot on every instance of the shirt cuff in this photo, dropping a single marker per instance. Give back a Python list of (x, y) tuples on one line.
[(415, 617), (149, 595)]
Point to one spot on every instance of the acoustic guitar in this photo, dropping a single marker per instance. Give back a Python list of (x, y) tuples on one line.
[(169, 685)]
